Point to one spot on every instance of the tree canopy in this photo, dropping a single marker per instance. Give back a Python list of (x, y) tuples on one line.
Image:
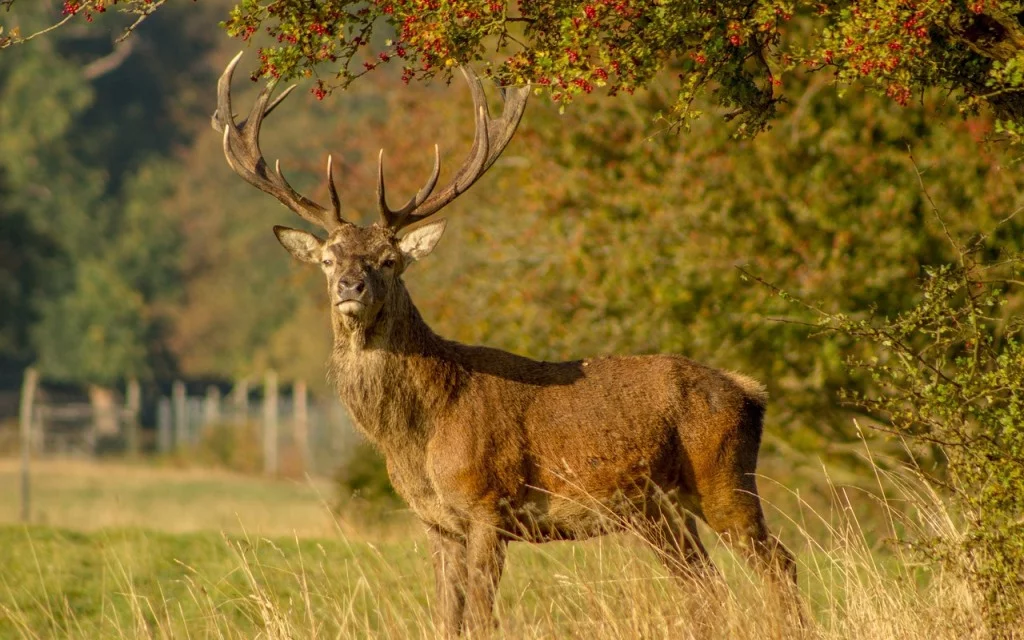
[(742, 53), (83, 168)]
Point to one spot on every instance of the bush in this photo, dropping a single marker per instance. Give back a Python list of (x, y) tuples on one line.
[(949, 374), (363, 481)]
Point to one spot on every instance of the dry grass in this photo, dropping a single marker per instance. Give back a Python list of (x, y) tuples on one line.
[(132, 583), (87, 495)]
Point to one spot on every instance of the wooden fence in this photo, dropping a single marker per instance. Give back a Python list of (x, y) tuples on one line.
[(178, 421)]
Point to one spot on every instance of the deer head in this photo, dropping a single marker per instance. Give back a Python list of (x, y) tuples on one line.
[(363, 265)]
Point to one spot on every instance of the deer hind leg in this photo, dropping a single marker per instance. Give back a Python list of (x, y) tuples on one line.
[(737, 516), (673, 536), (676, 541), (735, 513)]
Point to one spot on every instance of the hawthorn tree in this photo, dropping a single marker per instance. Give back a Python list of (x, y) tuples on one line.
[(739, 52)]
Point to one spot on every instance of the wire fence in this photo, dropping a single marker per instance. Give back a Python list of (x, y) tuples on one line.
[(275, 428)]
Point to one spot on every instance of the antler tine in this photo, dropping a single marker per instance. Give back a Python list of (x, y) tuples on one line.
[(335, 202), (387, 216), (482, 114), (278, 100), (500, 132), (489, 140), (218, 126), (254, 120), (424, 192), (242, 151), (223, 116), (394, 218)]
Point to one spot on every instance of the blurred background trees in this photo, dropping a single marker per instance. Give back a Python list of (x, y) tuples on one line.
[(87, 158), (129, 249), (134, 252)]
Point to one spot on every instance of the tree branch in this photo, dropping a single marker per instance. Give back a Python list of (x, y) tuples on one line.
[(147, 11), (7, 41), (109, 62)]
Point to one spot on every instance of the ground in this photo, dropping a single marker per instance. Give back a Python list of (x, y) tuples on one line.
[(138, 551)]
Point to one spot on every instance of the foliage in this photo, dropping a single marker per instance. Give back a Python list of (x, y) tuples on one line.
[(85, 168), (92, 334), (596, 234), (948, 373), (630, 242), (739, 51), (26, 256), (142, 9), (610, 269), (363, 478)]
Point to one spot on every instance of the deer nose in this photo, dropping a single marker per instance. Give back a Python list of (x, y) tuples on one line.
[(350, 289)]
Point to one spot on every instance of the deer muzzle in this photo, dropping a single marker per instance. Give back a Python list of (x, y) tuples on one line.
[(351, 296)]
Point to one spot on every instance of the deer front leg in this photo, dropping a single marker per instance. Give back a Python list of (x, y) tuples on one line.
[(486, 560), (448, 553)]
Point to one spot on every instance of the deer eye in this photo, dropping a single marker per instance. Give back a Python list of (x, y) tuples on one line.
[(327, 262), (388, 263)]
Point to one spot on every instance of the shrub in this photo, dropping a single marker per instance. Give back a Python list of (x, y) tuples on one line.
[(363, 480), (948, 374)]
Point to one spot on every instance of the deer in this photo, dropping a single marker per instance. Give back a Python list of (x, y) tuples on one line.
[(488, 447)]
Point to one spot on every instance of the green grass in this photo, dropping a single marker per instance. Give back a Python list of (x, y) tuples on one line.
[(127, 582), (161, 559), (131, 582), (88, 495)]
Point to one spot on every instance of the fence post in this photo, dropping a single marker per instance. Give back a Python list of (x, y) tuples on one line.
[(133, 405), (300, 423), (211, 411), (211, 407), (196, 406), (270, 423), (179, 400), (163, 425), (28, 396), (240, 399)]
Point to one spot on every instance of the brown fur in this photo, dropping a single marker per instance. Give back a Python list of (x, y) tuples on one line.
[(488, 447)]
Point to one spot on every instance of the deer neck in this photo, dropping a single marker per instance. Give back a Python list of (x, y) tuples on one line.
[(393, 375)]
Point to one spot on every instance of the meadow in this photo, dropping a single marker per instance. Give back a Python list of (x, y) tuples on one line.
[(134, 551)]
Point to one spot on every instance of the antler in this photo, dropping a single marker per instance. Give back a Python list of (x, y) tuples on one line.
[(490, 139), (242, 150)]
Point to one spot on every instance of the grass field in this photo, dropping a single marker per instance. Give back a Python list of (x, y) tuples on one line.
[(86, 495), (132, 551)]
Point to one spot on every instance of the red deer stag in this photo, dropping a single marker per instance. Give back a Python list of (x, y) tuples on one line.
[(489, 447)]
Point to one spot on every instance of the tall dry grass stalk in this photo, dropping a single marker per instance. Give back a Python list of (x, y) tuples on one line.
[(851, 587)]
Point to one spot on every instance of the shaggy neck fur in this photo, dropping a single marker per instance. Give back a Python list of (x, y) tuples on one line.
[(387, 371)]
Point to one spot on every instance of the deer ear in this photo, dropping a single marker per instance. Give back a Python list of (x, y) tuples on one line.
[(420, 242), (301, 244)]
